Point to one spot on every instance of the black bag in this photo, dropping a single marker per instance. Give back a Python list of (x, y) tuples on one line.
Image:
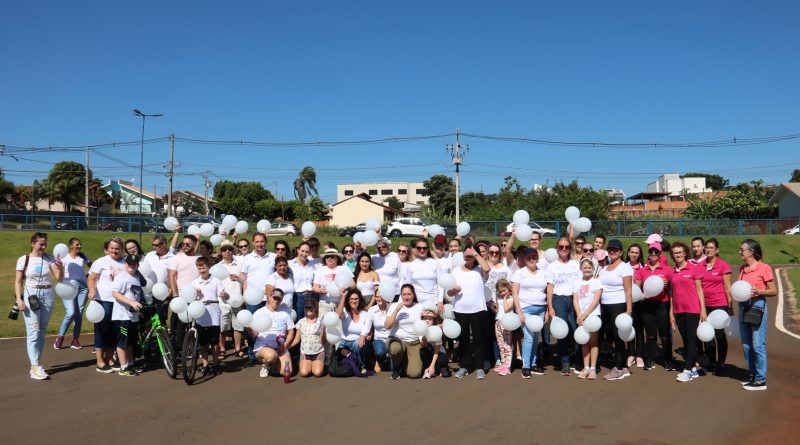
[(753, 315), (340, 365)]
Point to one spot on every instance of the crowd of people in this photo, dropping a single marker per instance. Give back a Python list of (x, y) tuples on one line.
[(323, 325)]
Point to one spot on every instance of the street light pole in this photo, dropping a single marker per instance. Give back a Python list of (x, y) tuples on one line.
[(141, 168)]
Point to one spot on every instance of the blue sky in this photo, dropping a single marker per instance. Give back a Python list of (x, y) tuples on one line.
[(302, 71)]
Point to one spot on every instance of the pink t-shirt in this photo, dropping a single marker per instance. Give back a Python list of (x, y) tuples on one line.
[(713, 287), (186, 268), (645, 272), (684, 290), (758, 277)]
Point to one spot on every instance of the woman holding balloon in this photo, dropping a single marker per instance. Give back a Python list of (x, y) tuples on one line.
[(753, 320), (422, 273), (528, 286), (101, 279), (469, 306), (586, 300), (75, 264), (404, 342), (655, 308), (561, 275), (715, 275), (688, 306), (616, 300)]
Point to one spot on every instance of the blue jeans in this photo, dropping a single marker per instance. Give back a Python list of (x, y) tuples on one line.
[(754, 340), (299, 302), (74, 313), (562, 304), (252, 340), (531, 339), (360, 353), (36, 321), (380, 350)]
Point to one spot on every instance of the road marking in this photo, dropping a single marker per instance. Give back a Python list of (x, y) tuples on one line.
[(779, 309)]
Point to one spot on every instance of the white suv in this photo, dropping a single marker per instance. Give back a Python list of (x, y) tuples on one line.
[(406, 227), (542, 231), (793, 231)]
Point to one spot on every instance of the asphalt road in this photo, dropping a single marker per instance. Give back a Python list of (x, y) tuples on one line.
[(78, 405)]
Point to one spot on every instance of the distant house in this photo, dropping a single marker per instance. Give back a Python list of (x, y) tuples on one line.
[(787, 196), (358, 208), (674, 184), (660, 204), (129, 197), (187, 202)]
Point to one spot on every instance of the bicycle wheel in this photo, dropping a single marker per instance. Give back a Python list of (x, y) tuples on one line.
[(189, 356), (167, 353)]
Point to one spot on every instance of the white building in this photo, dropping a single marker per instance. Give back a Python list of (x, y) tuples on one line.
[(409, 193), (675, 185)]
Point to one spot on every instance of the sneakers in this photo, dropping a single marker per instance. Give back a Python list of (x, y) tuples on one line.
[(755, 386), (748, 382), (584, 373), (444, 371), (526, 373), (59, 342), (685, 376), (37, 373), (592, 374), (504, 371), (498, 364), (264, 373), (104, 370), (649, 366), (395, 375), (695, 374), (614, 374), (128, 372), (631, 361), (75, 344), (669, 366), (538, 370), (461, 373), (626, 372), (639, 362), (115, 366), (480, 374), (426, 374), (565, 370)]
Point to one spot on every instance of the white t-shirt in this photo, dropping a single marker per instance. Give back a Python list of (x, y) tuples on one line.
[(613, 290), (376, 319), (131, 287), (231, 286), (303, 276), (324, 276), (351, 330), (388, 267), (585, 291), (211, 290), (75, 268), (403, 327), (422, 274), (472, 298), (284, 284), (281, 323), (495, 275), (532, 287), (562, 276), (38, 271), (258, 268), (160, 265), (107, 268)]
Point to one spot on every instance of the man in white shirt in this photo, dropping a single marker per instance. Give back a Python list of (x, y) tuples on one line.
[(257, 266)]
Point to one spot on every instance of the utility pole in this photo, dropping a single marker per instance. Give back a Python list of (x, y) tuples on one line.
[(171, 170), (86, 191), (457, 155), (205, 186)]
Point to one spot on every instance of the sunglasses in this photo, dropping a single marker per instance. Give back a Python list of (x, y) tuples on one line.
[(383, 246), (348, 250), (563, 247), (187, 244), (421, 248), (330, 257), (532, 259), (653, 252), (402, 250), (277, 249), (494, 252), (243, 246), (157, 245), (588, 250)]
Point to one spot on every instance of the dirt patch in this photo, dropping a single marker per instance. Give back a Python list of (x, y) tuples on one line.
[(791, 312)]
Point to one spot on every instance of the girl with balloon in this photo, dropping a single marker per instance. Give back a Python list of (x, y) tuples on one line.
[(101, 277), (34, 296), (688, 306), (75, 266), (505, 337), (653, 278), (311, 338), (561, 275), (716, 279), (432, 351), (586, 300)]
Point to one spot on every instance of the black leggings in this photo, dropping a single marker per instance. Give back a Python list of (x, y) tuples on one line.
[(717, 349), (655, 315), (687, 325), (470, 342), (610, 313), (636, 347)]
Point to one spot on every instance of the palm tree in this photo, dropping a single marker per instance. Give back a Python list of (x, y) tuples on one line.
[(306, 183)]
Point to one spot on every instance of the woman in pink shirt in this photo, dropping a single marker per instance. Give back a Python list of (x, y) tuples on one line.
[(688, 307), (716, 278), (636, 347), (655, 310)]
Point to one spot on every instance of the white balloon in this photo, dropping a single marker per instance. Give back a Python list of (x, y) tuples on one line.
[(623, 322), (193, 230), (330, 319), (463, 228), (294, 315), (207, 229), (718, 318), (67, 290), (245, 318), (582, 224), (188, 294), (333, 291), (95, 312), (219, 271), (551, 255), (235, 298), (636, 293), (184, 317), (196, 309), (523, 232), (653, 286), (705, 331), (216, 239), (253, 295), (428, 306), (229, 221), (170, 223), (262, 320), (332, 335), (627, 334), (160, 291), (741, 291), (510, 321), (581, 335), (178, 305), (434, 334), (592, 323), (358, 237), (558, 328), (151, 280), (572, 214), (521, 218), (446, 281), (263, 226), (308, 228), (145, 268), (420, 327), (60, 251), (451, 329), (242, 227), (534, 323), (448, 313), (435, 229), (343, 280), (373, 224), (370, 238), (457, 260), (387, 290)]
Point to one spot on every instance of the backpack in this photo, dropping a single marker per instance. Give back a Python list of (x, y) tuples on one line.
[(340, 365)]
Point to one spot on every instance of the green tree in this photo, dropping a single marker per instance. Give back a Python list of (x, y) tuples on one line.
[(441, 193), (393, 202), (795, 175), (268, 209), (714, 182), (743, 202), (317, 210), (20, 197), (239, 198), (66, 183), (306, 183), (6, 189)]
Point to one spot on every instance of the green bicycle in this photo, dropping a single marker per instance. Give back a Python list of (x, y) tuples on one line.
[(152, 329)]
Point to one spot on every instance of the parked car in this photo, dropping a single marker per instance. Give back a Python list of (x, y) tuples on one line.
[(793, 231), (149, 225), (287, 229), (414, 227), (350, 231), (200, 220), (70, 223), (542, 231)]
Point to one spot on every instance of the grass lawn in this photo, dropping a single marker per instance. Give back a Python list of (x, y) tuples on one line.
[(794, 278), (17, 243)]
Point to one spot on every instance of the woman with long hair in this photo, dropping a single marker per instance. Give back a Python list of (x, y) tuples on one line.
[(404, 343), (635, 258), (688, 306), (423, 272), (75, 264), (367, 280), (616, 299), (716, 279)]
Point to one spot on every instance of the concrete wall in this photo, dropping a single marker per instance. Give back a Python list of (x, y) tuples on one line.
[(344, 191), (788, 205), (355, 211)]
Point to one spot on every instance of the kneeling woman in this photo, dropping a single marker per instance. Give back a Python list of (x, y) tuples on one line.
[(404, 344), (355, 328), (310, 332), (270, 346)]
